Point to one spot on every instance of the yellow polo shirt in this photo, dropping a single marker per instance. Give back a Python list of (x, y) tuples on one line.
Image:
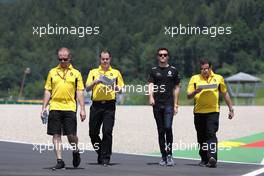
[(208, 99), (63, 84), (101, 92)]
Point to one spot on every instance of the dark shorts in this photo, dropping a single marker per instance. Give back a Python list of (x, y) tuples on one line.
[(62, 122)]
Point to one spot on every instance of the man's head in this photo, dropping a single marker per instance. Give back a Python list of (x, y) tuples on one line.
[(64, 56), (205, 67), (163, 55), (105, 59)]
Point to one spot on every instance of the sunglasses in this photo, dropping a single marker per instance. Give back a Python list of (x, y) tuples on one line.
[(165, 55), (202, 69), (63, 60)]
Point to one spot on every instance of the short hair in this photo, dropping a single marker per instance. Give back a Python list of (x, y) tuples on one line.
[(205, 61), (162, 49), (105, 51), (66, 49)]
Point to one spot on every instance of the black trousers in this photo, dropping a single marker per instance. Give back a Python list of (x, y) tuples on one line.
[(163, 115), (206, 125), (102, 113)]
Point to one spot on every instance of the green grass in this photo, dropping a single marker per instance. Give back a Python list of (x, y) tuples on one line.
[(237, 154)]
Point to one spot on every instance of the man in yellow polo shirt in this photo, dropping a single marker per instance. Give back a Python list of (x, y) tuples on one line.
[(64, 84), (105, 82), (205, 88)]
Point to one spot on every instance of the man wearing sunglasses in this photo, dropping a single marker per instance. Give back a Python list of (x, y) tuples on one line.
[(63, 85), (163, 96), (204, 88), (102, 110)]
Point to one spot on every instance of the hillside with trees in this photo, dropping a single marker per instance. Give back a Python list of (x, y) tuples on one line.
[(132, 31)]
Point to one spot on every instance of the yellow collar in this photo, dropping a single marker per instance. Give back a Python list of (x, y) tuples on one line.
[(69, 67), (212, 74), (210, 77), (101, 69)]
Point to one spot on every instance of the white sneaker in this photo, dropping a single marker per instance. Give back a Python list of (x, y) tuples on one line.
[(162, 162), (170, 161)]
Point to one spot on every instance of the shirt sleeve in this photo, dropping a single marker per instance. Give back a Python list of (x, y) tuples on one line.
[(191, 86), (80, 85), (177, 78), (48, 82), (89, 78), (150, 77), (120, 81), (223, 87)]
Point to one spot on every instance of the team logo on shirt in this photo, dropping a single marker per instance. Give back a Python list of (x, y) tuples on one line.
[(111, 74), (158, 74), (71, 74), (169, 73)]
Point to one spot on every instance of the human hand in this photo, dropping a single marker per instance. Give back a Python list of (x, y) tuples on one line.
[(175, 109), (151, 101), (231, 114), (82, 115)]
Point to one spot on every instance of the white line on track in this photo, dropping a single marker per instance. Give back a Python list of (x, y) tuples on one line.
[(262, 162), (255, 172)]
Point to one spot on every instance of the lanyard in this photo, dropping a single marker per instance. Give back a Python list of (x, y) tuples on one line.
[(209, 79), (64, 75)]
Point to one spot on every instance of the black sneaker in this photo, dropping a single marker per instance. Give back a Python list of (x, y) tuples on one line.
[(60, 164), (202, 163), (76, 159), (105, 162), (99, 160), (211, 163)]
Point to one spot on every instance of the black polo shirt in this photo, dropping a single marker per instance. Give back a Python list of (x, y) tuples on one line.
[(164, 79)]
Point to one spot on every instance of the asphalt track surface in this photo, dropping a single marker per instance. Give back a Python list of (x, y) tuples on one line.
[(20, 159)]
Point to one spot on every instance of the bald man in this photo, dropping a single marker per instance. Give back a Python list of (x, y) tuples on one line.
[(64, 83)]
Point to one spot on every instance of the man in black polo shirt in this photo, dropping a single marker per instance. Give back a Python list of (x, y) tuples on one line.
[(163, 96)]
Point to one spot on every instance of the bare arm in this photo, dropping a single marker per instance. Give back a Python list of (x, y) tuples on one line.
[(46, 99), (229, 104), (91, 86), (150, 91), (176, 94), (80, 98), (192, 94)]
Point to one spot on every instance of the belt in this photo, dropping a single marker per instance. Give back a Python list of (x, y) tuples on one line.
[(104, 101)]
